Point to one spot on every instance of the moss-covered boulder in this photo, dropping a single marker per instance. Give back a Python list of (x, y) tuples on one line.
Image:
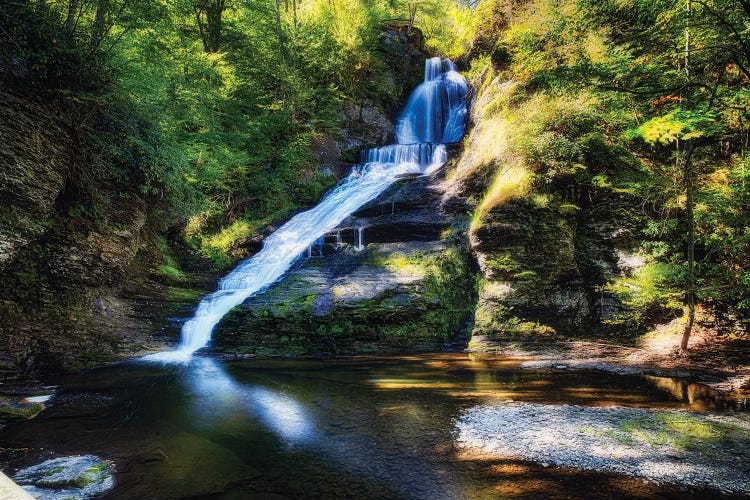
[(74, 477)]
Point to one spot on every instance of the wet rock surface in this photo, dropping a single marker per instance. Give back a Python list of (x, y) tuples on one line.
[(681, 447), (365, 125), (408, 286), (34, 160), (74, 267), (73, 477)]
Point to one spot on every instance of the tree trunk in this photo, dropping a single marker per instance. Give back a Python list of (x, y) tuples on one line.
[(201, 28), (278, 27), (688, 179), (97, 30), (208, 14), (689, 212), (213, 21), (70, 19)]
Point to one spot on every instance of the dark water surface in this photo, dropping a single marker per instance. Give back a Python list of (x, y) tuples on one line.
[(357, 427)]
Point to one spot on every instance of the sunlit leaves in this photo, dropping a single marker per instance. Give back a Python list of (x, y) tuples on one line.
[(677, 125)]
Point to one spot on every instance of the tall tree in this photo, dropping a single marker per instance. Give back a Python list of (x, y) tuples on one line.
[(70, 18), (208, 14), (710, 40), (98, 28), (689, 207)]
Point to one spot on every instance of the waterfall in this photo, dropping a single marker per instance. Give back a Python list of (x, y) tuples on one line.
[(360, 245), (436, 110), (434, 115)]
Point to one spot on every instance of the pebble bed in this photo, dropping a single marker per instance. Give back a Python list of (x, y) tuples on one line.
[(630, 441)]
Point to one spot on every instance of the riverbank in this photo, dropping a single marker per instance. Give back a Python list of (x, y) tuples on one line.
[(719, 362)]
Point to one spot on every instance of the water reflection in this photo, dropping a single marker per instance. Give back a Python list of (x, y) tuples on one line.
[(358, 427), (219, 396)]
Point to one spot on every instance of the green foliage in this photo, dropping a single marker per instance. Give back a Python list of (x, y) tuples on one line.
[(652, 293), (723, 220), (599, 100), (677, 125), (214, 119)]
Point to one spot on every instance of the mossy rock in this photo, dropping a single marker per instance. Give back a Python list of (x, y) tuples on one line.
[(17, 410), (75, 477), (394, 296)]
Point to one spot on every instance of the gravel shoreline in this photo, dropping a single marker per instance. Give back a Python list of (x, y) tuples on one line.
[(663, 446)]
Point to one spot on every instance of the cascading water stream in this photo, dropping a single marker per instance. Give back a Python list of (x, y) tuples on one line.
[(434, 116)]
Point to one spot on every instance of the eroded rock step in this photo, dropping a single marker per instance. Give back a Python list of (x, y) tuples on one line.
[(409, 286)]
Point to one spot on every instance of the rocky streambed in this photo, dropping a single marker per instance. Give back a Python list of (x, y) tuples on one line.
[(664, 446)]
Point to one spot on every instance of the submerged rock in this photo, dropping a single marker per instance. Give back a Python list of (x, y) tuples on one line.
[(24, 409), (74, 477)]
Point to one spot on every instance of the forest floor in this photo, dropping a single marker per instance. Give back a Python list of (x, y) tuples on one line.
[(721, 362)]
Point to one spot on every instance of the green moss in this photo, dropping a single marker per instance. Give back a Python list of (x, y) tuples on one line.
[(499, 321), (176, 294), (170, 269), (11, 410), (680, 430), (54, 470), (93, 474), (172, 272), (399, 263)]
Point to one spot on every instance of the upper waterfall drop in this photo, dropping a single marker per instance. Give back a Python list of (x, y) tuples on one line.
[(435, 115), (436, 110)]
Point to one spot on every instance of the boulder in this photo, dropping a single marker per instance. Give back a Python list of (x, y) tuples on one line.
[(73, 477)]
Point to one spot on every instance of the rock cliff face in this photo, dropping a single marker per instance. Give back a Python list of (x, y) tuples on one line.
[(547, 255), (410, 286), (64, 301), (545, 273), (34, 154)]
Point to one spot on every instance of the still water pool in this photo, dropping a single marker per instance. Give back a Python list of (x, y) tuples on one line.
[(355, 427)]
